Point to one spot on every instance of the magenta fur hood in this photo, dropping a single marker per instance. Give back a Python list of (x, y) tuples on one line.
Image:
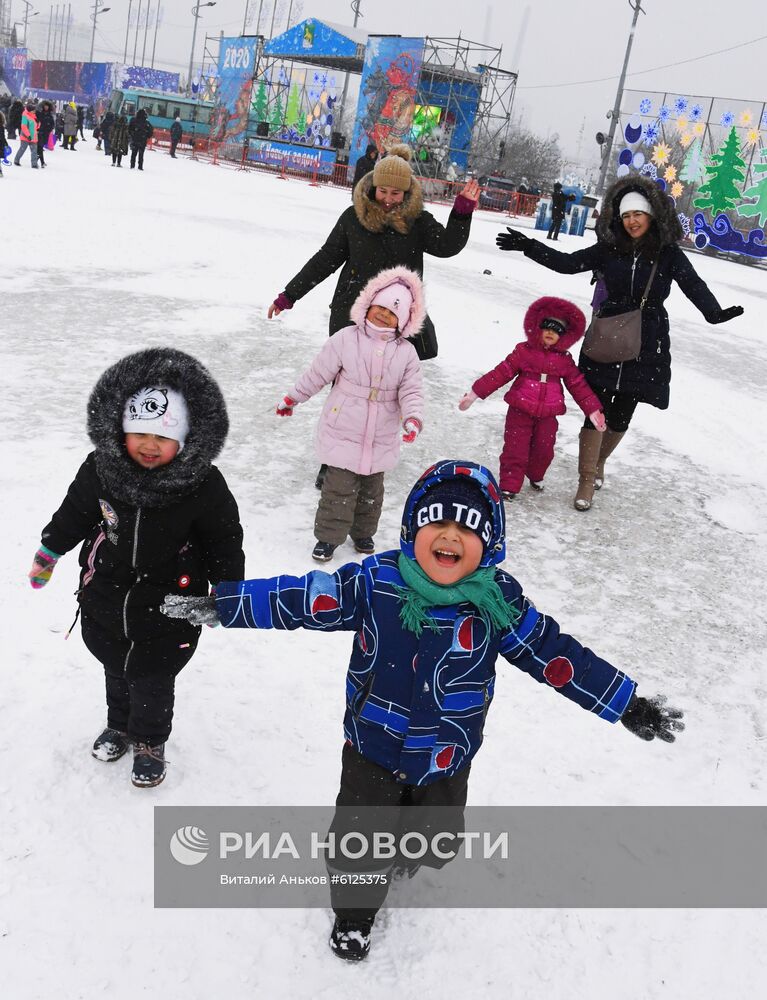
[(377, 284), (550, 307)]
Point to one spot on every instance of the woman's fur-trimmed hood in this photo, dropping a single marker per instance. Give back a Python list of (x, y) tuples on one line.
[(609, 226), (382, 280), (550, 307), (375, 218), (208, 426)]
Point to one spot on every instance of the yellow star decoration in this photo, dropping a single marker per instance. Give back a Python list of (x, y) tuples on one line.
[(682, 122), (698, 128), (685, 139), (676, 189), (752, 136), (660, 154), (746, 118), (670, 173)]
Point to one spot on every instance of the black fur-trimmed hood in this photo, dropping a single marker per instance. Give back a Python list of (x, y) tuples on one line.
[(208, 426), (609, 227)]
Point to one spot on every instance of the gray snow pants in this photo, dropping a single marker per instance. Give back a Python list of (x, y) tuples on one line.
[(350, 504)]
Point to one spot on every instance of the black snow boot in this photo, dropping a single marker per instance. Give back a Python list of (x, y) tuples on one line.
[(323, 551), (111, 745), (364, 545), (350, 939), (148, 765)]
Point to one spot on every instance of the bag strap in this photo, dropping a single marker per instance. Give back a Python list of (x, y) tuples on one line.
[(643, 303)]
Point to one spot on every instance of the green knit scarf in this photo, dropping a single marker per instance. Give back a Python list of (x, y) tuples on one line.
[(478, 588)]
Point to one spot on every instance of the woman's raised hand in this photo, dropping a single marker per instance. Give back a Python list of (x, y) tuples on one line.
[(470, 190)]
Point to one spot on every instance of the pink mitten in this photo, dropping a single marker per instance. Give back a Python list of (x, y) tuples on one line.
[(469, 398), (598, 420)]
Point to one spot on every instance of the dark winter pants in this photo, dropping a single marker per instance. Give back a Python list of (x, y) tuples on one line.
[(350, 504), (371, 800), (117, 157), (140, 679), (528, 448), (556, 225), (69, 141), (618, 408), (173, 144), (41, 151), (137, 151)]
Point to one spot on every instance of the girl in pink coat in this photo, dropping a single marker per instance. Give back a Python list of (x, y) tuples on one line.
[(538, 367), (377, 397)]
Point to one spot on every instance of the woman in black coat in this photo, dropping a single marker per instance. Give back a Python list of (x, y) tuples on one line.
[(45, 125), (637, 228), (14, 118), (365, 164), (386, 225)]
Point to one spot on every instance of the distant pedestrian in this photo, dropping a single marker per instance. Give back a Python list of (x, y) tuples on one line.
[(46, 124), (14, 118), (3, 141), (175, 136), (559, 202), (70, 125), (80, 121), (119, 141), (141, 132), (107, 124), (365, 164), (28, 135)]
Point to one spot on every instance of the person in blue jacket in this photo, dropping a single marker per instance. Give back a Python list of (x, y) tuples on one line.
[(430, 620)]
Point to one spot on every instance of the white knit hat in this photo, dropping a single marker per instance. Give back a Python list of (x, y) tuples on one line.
[(635, 202), (397, 298), (157, 410)]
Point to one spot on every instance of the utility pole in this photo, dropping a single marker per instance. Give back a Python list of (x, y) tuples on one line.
[(636, 6), (97, 10), (146, 30), (356, 4), (66, 36), (196, 15), (135, 40), (156, 26), (127, 30)]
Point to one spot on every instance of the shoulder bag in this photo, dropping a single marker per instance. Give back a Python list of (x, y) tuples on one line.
[(617, 338)]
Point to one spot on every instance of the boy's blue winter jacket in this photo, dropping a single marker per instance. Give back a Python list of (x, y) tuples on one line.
[(417, 705)]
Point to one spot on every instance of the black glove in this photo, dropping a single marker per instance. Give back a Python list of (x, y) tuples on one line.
[(724, 314), (511, 240), (197, 610), (650, 717)]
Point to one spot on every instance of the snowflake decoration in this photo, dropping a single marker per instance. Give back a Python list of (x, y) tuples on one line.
[(676, 189), (650, 170), (764, 120), (684, 221), (752, 136), (698, 128), (746, 118), (680, 105), (645, 106), (665, 113), (682, 123), (695, 112), (685, 139), (660, 154), (650, 135), (727, 119), (670, 173)]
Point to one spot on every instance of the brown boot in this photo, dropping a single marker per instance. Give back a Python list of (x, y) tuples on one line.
[(610, 441), (588, 456)]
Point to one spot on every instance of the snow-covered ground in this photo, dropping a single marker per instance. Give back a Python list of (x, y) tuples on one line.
[(665, 576)]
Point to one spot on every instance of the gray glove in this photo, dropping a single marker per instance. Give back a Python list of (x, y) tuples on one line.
[(197, 610)]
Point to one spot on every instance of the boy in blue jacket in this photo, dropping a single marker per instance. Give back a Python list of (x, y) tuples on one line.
[(430, 621)]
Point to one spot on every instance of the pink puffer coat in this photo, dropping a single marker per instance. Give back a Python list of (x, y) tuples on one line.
[(538, 373), (378, 385)]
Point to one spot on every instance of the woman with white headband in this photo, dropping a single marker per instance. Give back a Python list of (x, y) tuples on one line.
[(638, 228)]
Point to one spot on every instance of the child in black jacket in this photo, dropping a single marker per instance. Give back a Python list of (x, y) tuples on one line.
[(154, 514)]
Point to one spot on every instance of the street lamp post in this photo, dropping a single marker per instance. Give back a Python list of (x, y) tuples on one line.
[(196, 15), (27, 16), (97, 10)]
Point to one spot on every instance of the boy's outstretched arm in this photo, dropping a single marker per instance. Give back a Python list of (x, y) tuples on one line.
[(536, 645), (326, 602)]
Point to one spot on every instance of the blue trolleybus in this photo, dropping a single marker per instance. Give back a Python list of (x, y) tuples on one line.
[(163, 108)]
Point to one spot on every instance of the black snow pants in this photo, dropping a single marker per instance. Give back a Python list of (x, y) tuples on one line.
[(371, 800), (137, 151), (140, 679)]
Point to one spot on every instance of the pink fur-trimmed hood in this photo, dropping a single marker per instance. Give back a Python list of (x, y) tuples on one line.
[(382, 280), (565, 311)]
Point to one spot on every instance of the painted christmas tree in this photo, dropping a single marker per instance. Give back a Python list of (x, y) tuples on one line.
[(757, 209), (259, 103), (723, 175), (693, 166), (293, 117), (277, 117)]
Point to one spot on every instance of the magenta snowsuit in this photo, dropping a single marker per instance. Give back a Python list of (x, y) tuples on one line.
[(536, 398)]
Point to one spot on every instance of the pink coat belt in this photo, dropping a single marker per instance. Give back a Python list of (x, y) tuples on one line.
[(366, 391)]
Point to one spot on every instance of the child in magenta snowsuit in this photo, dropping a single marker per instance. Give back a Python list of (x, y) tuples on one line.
[(538, 367)]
